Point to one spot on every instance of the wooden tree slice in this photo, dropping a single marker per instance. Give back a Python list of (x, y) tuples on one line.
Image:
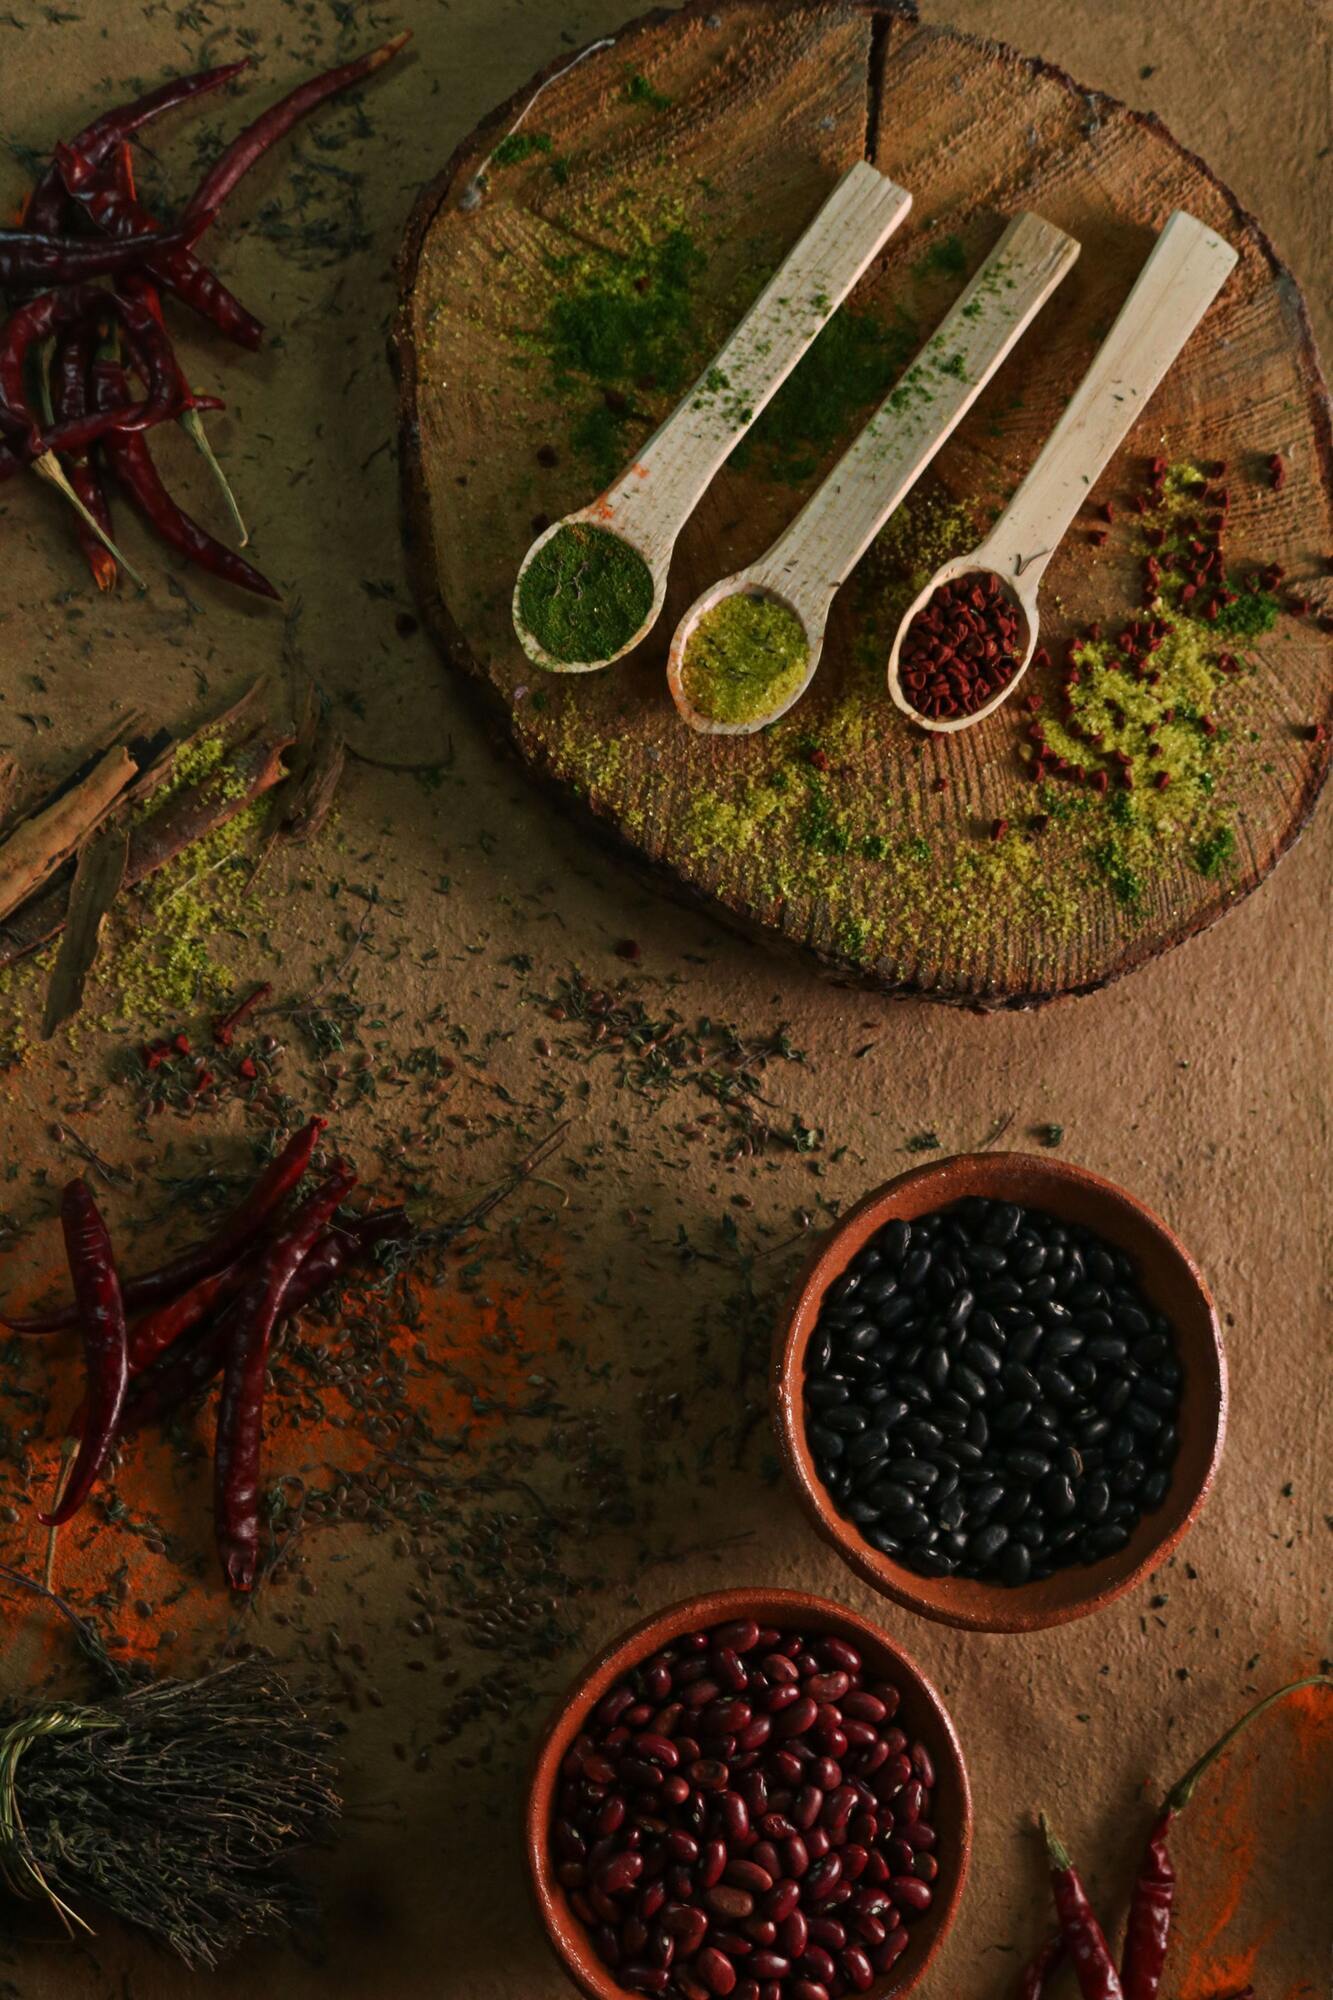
[(667, 176)]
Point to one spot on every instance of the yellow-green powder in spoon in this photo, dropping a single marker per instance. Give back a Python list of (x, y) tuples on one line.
[(744, 658)]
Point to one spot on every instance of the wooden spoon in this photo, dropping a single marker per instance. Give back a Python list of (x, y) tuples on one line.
[(651, 502), (1188, 266), (812, 557)]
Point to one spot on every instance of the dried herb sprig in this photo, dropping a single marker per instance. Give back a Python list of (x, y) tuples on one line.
[(175, 1805)]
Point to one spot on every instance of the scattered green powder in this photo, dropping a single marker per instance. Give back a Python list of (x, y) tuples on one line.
[(851, 365), (745, 657), (1253, 613), (1215, 851), (625, 324), (166, 965), (638, 90), (520, 146), (948, 257), (585, 593)]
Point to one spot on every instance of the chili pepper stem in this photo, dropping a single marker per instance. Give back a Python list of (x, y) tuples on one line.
[(1056, 1852), (192, 424), (67, 1451), (1183, 1790), (47, 466)]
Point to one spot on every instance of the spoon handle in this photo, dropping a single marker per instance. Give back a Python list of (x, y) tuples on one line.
[(1188, 266), (832, 532), (654, 498)]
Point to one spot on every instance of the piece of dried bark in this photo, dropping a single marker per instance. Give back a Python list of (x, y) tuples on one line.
[(42, 843), (253, 768), (97, 882)]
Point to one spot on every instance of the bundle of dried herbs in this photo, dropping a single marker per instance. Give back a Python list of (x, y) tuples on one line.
[(175, 1805)]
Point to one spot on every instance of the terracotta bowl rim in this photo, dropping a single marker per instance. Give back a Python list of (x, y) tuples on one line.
[(567, 1937), (995, 1607)]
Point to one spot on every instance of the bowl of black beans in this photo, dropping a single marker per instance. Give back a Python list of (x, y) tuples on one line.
[(1001, 1391)]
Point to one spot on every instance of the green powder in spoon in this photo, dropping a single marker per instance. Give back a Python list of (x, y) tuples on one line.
[(585, 593), (744, 658)]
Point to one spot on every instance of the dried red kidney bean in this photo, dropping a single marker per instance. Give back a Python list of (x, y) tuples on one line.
[(710, 1858), (962, 647)]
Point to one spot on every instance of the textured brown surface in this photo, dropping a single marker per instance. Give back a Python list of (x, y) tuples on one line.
[(1200, 1084), (766, 105), (1170, 1278)]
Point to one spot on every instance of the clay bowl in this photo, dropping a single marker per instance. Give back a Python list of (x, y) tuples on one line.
[(925, 1718), (1171, 1280)]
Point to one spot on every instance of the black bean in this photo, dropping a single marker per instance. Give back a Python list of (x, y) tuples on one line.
[(1014, 1505), (1166, 1444), (968, 1382), (822, 1394), (985, 1360), (1128, 1476), (1015, 1564), (1010, 1416), (1156, 1394), (1060, 1342), (895, 1312), (1029, 1465), (1147, 1421), (825, 1444), (862, 1511), (1056, 1493), (985, 1499), (951, 1510), (1155, 1488), (891, 1497), (878, 1287), (987, 1541), (1095, 1499), (913, 1471), (1056, 1385), (1024, 1343), (884, 1540), (893, 1240), (845, 1418), (960, 1308), (920, 1433), (917, 1263)]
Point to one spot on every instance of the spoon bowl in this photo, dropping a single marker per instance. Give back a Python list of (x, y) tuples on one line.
[(600, 514), (739, 585), (1023, 601)]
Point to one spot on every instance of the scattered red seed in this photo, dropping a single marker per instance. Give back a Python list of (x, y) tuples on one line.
[(998, 829), (1277, 471), (628, 948)]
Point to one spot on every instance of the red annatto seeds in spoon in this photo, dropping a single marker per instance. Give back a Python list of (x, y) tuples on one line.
[(741, 1816), (962, 647)]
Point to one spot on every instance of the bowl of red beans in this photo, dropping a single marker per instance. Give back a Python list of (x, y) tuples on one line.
[(753, 1795), (1000, 1390)]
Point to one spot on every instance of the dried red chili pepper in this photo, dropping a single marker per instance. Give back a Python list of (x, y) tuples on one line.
[(86, 152), (273, 124), (241, 1411), (187, 1366), (1148, 1930), (38, 320), (81, 156), (1084, 1939), (28, 258), (157, 1330), (130, 459), (73, 358), (119, 215), (1032, 1983), (225, 1025), (101, 1311), (238, 1229)]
